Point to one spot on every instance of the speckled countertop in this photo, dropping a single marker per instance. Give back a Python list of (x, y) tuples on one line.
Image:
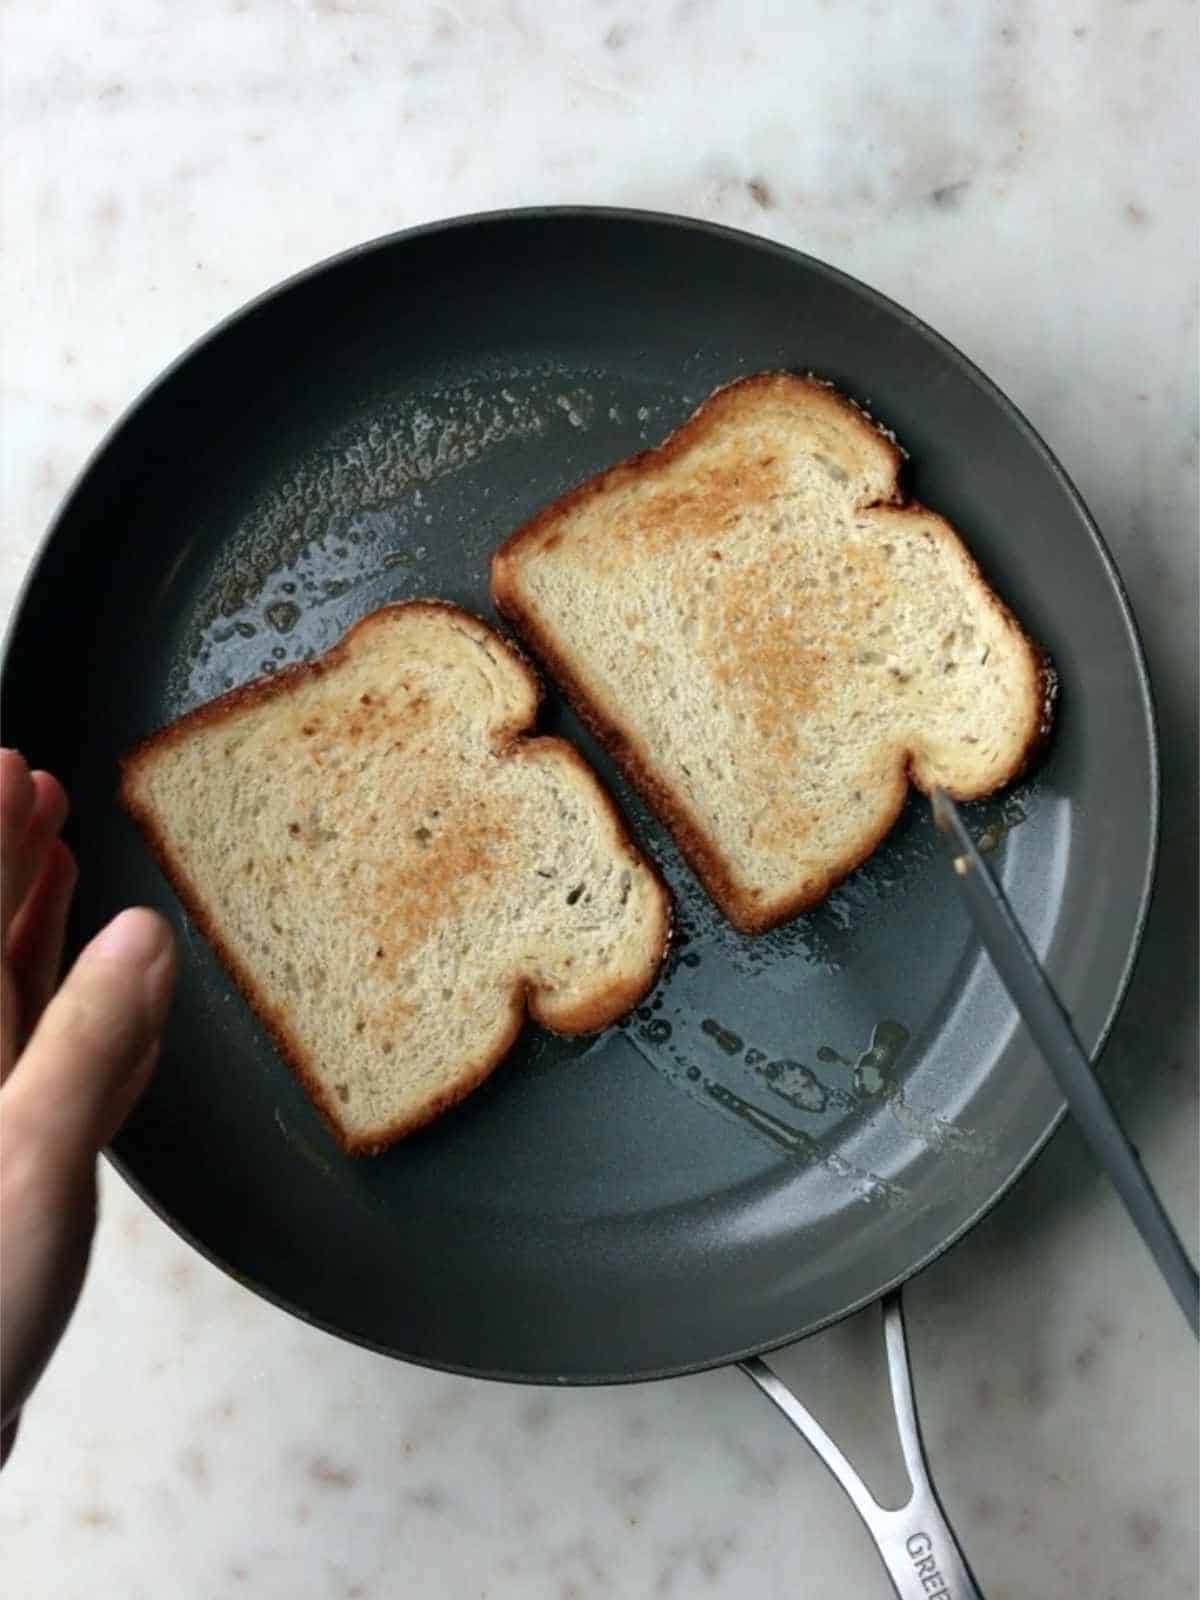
[(1023, 178)]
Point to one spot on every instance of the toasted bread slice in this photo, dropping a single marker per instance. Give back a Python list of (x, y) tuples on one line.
[(772, 641), (393, 872)]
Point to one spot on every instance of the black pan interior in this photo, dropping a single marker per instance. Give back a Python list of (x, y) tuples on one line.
[(791, 1123)]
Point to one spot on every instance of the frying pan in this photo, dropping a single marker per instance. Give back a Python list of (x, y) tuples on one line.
[(793, 1124)]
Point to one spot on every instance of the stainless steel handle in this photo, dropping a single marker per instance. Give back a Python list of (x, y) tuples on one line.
[(915, 1541)]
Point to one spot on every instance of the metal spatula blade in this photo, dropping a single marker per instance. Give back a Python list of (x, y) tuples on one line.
[(1044, 1016)]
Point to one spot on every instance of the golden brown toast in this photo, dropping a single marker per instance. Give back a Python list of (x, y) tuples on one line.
[(772, 641), (394, 872)]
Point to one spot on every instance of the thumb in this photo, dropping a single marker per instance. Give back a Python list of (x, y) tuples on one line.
[(93, 1050)]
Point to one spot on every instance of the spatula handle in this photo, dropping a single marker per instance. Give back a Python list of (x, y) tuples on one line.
[(915, 1541)]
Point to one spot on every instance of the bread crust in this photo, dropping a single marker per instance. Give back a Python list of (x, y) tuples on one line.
[(598, 1011), (699, 848)]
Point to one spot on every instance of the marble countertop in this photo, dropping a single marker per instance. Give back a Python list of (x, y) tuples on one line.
[(1023, 178)]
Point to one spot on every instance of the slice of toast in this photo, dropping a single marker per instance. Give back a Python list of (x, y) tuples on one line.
[(772, 641), (394, 872)]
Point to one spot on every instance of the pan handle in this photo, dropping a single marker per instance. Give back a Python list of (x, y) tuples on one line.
[(915, 1541)]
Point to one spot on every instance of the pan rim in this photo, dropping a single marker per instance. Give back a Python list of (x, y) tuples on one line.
[(949, 352)]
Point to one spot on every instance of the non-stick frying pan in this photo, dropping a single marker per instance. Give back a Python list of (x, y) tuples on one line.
[(792, 1124)]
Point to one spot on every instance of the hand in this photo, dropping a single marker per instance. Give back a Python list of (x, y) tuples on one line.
[(72, 1065)]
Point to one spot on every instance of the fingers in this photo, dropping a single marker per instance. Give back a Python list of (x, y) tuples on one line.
[(45, 821), (35, 944), (33, 807), (16, 807), (93, 1050)]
